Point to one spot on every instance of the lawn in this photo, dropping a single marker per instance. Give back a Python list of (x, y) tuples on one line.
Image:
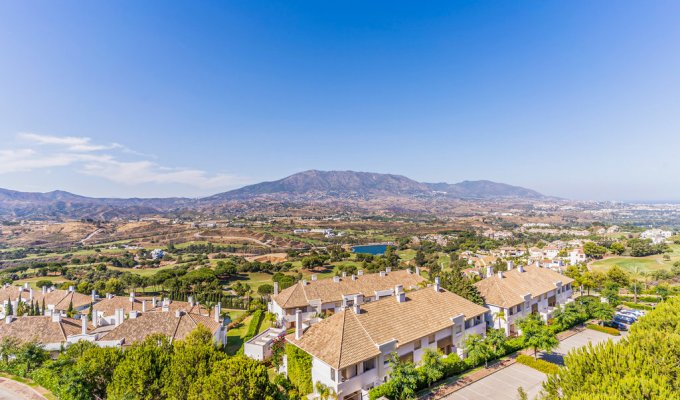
[(31, 281), (643, 264)]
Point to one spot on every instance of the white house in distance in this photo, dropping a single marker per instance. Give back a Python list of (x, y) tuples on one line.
[(657, 236), (330, 295), (350, 349), (577, 256), (522, 291)]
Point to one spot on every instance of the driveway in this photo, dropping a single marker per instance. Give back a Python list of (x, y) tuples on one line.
[(13, 390), (503, 384)]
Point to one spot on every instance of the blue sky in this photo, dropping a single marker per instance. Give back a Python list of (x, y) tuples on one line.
[(579, 99)]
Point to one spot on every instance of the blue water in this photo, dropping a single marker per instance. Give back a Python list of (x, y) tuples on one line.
[(375, 249)]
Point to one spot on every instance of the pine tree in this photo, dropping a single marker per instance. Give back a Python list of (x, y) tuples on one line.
[(8, 308)]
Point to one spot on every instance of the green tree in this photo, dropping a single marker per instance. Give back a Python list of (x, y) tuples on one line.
[(324, 392), (593, 250), (617, 248), (537, 335), (9, 347), (31, 355), (234, 378), (431, 366), (403, 378), (496, 339), (478, 349), (618, 276)]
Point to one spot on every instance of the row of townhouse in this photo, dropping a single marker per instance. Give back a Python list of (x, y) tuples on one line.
[(368, 317), (116, 321), (54, 300)]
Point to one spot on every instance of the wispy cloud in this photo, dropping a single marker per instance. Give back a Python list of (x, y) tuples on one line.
[(104, 160)]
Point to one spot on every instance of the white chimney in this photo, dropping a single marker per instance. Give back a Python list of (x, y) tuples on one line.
[(314, 277), (119, 316), (399, 293), (336, 279), (360, 272), (26, 285), (94, 295), (538, 264), (30, 294), (191, 301), (44, 290), (500, 274), (510, 265), (417, 270), (356, 308), (9, 319), (153, 302), (409, 271), (436, 284), (70, 289), (344, 274), (132, 297), (298, 324), (218, 312), (521, 268), (388, 270), (276, 288), (489, 272), (144, 305), (354, 277), (382, 274), (133, 314), (95, 318), (178, 313), (304, 282), (109, 296), (84, 325), (56, 316)]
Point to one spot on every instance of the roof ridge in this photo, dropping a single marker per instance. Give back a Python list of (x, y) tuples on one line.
[(342, 338), (174, 333)]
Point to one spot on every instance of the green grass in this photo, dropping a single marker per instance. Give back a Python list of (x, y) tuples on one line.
[(32, 281), (142, 271), (643, 264)]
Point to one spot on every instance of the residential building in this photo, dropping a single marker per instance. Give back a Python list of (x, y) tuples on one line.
[(518, 292), (350, 349), (326, 296), (657, 236), (53, 332), (576, 256), (55, 299)]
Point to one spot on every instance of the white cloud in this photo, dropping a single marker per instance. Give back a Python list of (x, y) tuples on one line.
[(89, 158)]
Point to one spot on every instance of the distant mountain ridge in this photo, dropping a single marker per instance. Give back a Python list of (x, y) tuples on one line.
[(306, 186)]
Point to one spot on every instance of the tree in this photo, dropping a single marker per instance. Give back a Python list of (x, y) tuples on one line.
[(478, 350), (8, 308), (234, 378), (192, 359), (403, 378), (325, 393), (9, 347), (431, 366), (618, 276), (499, 317), (31, 355), (139, 374), (602, 311), (617, 248), (455, 281), (265, 290), (496, 339), (593, 250), (521, 394), (537, 335)]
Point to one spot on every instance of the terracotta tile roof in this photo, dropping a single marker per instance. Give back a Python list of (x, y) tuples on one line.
[(346, 338), (40, 329), (166, 323), (328, 291), (109, 306), (59, 298), (510, 290)]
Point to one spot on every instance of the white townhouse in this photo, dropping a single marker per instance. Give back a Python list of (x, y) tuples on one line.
[(520, 292), (327, 296), (576, 256), (350, 349)]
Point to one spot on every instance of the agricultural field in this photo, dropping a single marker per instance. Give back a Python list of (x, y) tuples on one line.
[(643, 264)]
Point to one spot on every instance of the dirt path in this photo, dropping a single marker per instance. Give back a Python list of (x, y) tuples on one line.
[(88, 237)]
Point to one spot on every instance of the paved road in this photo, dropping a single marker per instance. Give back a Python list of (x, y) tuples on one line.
[(503, 384), (13, 390)]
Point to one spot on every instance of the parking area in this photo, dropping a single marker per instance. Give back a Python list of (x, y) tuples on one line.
[(503, 384)]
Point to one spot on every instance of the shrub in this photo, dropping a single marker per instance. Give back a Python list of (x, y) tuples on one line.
[(254, 325), (299, 368), (379, 391), (604, 329), (453, 365), (539, 365), (637, 306)]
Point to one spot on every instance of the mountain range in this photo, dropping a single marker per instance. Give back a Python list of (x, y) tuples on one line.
[(307, 186)]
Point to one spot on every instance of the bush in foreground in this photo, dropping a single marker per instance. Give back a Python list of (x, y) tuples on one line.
[(537, 364), (604, 329)]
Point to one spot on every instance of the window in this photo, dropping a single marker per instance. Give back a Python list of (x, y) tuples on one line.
[(417, 344), (430, 339), (369, 364), (332, 375), (459, 329)]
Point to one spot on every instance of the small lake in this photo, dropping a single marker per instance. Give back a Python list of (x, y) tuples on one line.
[(375, 249)]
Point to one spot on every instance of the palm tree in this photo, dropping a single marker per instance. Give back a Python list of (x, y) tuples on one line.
[(325, 393), (500, 316)]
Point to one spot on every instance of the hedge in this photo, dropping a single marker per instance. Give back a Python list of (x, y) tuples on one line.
[(299, 368), (254, 325), (539, 365), (637, 306), (604, 329)]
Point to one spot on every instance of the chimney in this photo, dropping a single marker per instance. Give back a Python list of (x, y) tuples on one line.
[(191, 301), (178, 313), (314, 277), (26, 285), (218, 312), (153, 302), (9, 319), (276, 288), (500, 274), (84, 326), (382, 274), (133, 314), (417, 270), (95, 318), (388, 270), (70, 289), (409, 271), (344, 274), (356, 308), (132, 297), (44, 290), (436, 284), (360, 272), (354, 277), (119, 316), (298, 324), (56, 316), (521, 268), (336, 279), (94, 295), (399, 293), (489, 272), (538, 264), (30, 294), (304, 282), (15, 305), (510, 265), (109, 296), (144, 305)]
